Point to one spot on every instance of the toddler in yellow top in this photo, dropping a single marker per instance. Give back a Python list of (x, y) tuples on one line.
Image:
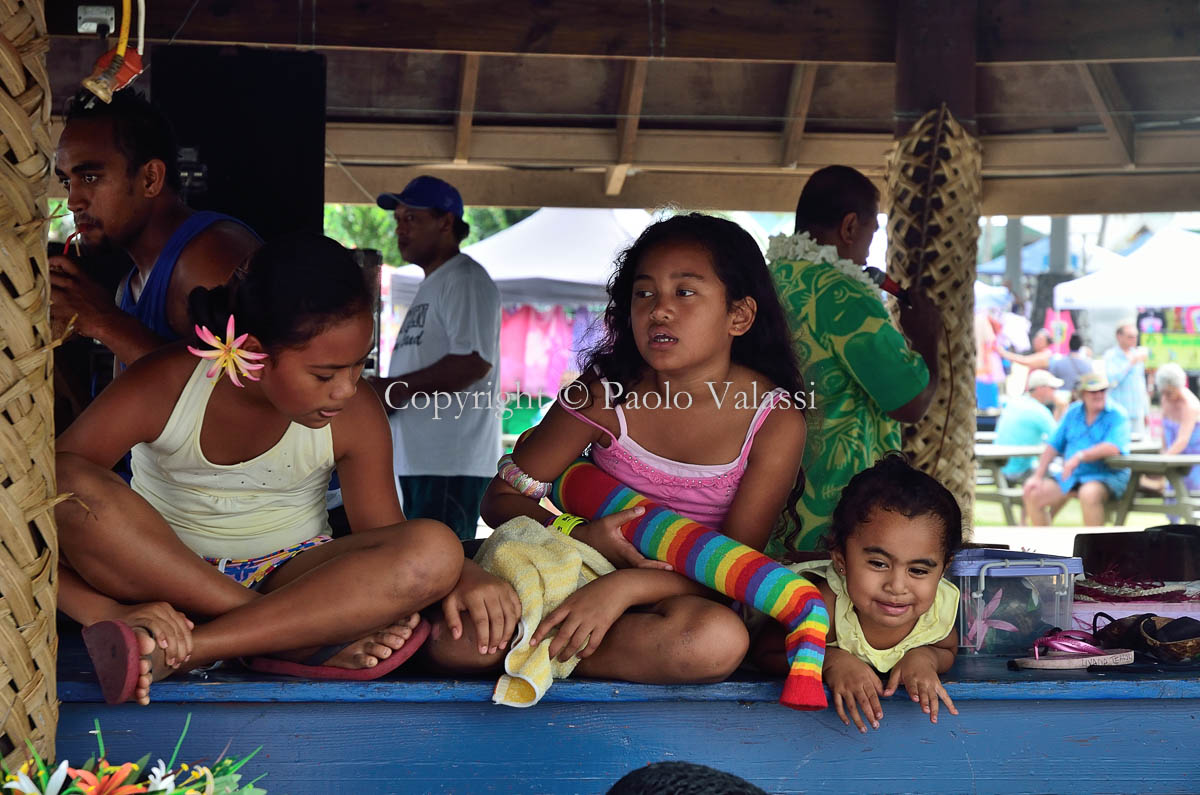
[(892, 535)]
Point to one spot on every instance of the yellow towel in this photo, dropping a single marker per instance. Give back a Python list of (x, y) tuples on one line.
[(545, 567)]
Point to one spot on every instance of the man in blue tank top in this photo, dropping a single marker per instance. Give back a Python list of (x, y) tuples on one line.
[(119, 166)]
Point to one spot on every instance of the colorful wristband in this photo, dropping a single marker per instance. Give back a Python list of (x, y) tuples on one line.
[(566, 522), (516, 477)]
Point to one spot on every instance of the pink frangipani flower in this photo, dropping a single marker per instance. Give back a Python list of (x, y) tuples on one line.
[(228, 356), (984, 621)]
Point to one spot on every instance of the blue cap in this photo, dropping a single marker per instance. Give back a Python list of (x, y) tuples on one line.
[(425, 193)]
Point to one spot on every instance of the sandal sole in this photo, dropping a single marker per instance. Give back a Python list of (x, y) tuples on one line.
[(1066, 660), (113, 647)]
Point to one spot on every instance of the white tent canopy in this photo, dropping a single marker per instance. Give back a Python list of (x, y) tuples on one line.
[(558, 255), (989, 296), (1163, 271)]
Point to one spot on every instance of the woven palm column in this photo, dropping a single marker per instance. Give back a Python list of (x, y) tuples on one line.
[(28, 543), (934, 190)]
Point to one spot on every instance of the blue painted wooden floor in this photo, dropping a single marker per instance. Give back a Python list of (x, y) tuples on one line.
[(1029, 732)]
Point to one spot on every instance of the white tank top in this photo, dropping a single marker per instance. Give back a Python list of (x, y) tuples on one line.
[(241, 510)]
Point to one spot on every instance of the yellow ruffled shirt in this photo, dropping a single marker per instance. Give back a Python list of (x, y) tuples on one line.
[(931, 627)]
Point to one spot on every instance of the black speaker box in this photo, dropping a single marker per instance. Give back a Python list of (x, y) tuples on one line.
[(250, 124), (1169, 552)]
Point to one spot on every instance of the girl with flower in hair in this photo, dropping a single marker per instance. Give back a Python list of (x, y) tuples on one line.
[(220, 547)]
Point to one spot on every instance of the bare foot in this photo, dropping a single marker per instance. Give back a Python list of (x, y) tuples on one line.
[(152, 665), (368, 651)]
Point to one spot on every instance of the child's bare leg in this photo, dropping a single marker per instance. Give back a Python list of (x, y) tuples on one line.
[(340, 591), (682, 639), (768, 651), (367, 651), (123, 548), (447, 654)]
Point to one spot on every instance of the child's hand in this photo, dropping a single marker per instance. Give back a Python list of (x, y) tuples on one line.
[(490, 603), (918, 673), (171, 630), (605, 536), (855, 686), (584, 617)]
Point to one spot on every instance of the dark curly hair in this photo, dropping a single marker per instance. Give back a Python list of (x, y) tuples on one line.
[(766, 348), (290, 290), (895, 485), (682, 778)]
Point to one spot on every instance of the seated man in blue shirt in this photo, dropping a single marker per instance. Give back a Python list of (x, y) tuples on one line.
[(1027, 420), (1092, 429)]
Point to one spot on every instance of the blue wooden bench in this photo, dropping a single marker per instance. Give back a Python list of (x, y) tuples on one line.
[(1030, 732)]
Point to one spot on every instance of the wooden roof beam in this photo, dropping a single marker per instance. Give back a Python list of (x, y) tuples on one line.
[(468, 81), (800, 92), (825, 31), (633, 90), (1056, 195), (1113, 107), (374, 145)]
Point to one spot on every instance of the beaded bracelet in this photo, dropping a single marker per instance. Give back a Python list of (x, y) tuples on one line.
[(516, 477), (566, 522)]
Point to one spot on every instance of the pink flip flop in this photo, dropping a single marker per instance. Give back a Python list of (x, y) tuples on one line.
[(113, 647), (312, 668), (1072, 648)]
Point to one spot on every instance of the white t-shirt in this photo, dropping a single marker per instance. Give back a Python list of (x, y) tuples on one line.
[(456, 311)]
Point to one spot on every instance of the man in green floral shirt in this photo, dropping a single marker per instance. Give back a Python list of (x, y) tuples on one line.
[(866, 377)]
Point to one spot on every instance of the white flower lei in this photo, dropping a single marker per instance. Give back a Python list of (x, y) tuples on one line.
[(800, 247)]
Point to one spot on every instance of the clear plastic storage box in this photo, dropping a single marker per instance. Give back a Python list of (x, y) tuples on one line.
[(1010, 598)]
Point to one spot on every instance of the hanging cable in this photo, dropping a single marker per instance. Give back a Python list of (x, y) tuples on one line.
[(141, 27), (123, 39), (118, 67)]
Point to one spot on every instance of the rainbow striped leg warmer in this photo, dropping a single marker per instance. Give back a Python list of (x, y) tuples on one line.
[(715, 560)]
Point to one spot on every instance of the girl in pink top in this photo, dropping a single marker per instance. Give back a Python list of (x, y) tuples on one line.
[(693, 398)]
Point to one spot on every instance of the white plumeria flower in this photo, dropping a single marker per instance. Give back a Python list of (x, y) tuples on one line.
[(25, 786), (800, 247), (159, 780), (57, 779)]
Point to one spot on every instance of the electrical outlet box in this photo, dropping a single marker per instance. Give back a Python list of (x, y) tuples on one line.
[(90, 18)]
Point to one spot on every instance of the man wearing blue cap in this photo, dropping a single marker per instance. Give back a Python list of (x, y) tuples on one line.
[(443, 388)]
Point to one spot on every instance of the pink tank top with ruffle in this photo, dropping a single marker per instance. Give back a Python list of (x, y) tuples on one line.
[(700, 492)]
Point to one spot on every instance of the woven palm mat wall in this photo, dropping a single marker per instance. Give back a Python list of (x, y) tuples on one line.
[(934, 188), (28, 543)]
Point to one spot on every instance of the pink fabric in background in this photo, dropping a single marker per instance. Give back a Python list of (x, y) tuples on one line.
[(1061, 327), (535, 350), (514, 325), (989, 366), (1191, 319)]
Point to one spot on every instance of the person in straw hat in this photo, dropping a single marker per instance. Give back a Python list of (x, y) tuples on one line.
[(1093, 429)]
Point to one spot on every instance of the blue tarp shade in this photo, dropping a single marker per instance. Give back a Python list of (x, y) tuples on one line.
[(1035, 259)]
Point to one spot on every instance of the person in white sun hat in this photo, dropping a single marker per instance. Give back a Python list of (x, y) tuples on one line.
[(1028, 419), (1093, 429)]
